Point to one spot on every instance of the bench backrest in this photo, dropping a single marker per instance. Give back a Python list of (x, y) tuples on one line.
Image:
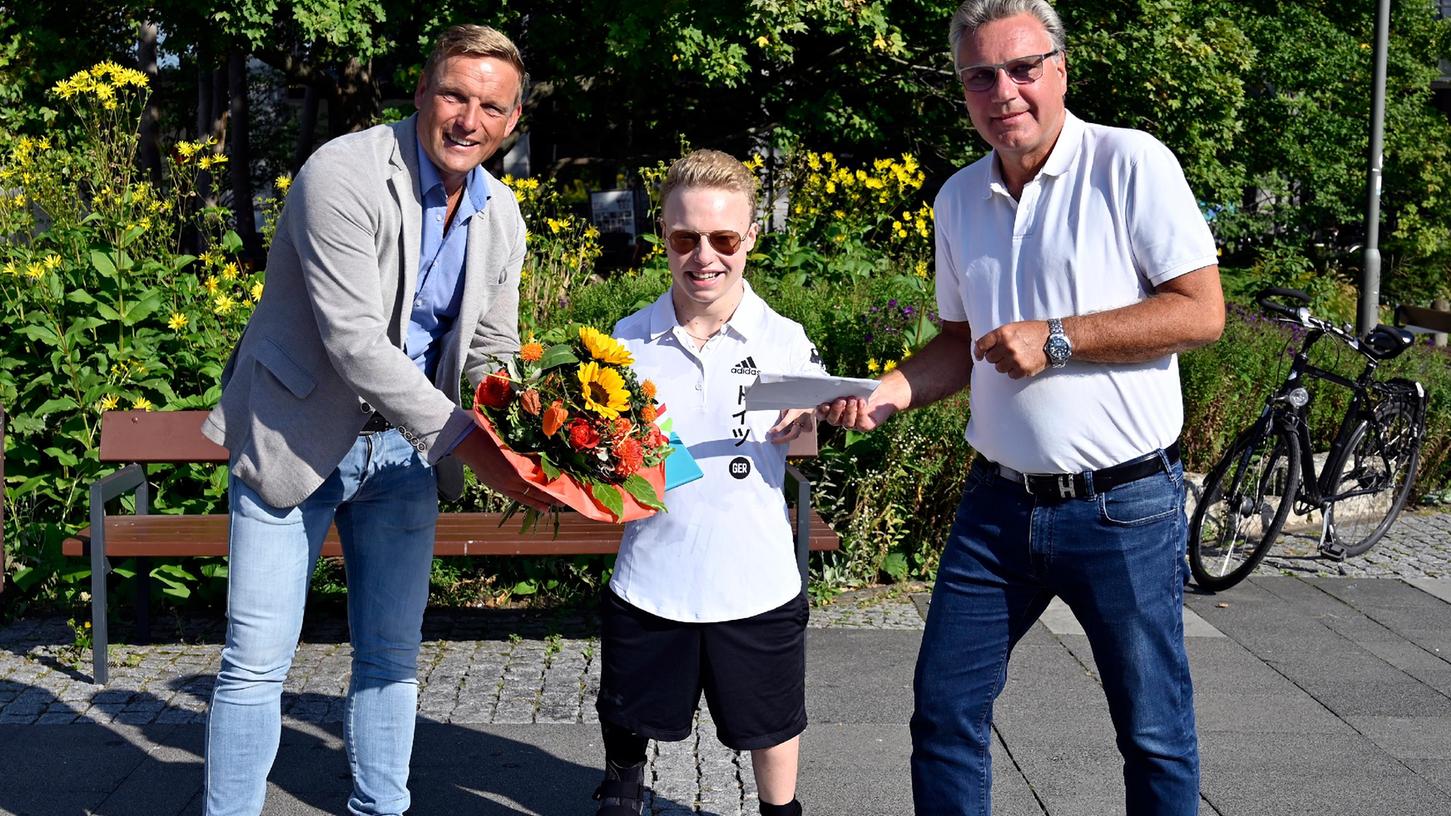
[(1433, 319), (176, 436)]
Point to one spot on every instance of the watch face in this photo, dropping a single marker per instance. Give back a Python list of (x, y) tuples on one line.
[(1057, 350)]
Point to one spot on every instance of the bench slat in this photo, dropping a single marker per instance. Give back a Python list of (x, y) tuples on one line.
[(457, 534), (157, 436)]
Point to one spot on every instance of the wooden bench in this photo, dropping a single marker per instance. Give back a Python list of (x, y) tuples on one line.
[(136, 439), (2, 498), (1422, 320)]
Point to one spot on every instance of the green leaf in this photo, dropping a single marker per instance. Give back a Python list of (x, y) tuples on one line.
[(562, 354), (140, 309), (231, 242), (51, 406), (43, 334), (895, 565), (103, 263), (551, 471), (608, 496), (524, 588), (642, 491)]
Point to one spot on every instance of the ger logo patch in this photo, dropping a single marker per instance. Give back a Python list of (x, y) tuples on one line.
[(740, 467)]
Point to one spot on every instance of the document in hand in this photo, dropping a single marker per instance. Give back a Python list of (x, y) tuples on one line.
[(779, 391)]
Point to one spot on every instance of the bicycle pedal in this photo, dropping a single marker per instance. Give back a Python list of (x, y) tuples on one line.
[(1333, 551)]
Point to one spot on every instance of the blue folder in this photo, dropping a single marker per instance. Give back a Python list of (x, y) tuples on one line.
[(680, 466)]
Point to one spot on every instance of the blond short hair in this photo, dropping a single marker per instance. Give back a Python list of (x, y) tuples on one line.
[(710, 169), (477, 41)]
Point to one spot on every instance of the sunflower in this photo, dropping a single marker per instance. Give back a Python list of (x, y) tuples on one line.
[(604, 348), (604, 390)]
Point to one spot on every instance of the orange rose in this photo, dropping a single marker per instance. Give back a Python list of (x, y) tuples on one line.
[(582, 435), (554, 417)]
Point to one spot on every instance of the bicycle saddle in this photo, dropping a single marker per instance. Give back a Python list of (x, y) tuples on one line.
[(1384, 342)]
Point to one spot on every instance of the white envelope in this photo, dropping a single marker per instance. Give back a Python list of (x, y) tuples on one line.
[(778, 391)]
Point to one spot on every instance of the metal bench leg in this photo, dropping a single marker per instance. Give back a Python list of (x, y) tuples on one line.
[(98, 593), (803, 523), (143, 600)]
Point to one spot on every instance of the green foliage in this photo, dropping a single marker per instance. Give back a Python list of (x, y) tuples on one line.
[(103, 312)]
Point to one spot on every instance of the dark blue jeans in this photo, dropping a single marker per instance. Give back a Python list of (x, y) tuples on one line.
[(1117, 560)]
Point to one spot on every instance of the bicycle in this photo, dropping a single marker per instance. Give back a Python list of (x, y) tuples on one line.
[(1367, 475)]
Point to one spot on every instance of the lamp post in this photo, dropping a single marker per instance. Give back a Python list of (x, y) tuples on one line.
[(1370, 272)]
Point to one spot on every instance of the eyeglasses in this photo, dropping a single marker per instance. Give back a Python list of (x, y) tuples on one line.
[(684, 242), (1023, 70)]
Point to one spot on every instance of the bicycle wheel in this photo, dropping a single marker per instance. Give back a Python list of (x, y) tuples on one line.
[(1245, 501), (1376, 472)]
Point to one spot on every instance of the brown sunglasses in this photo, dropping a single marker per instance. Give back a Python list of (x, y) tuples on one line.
[(684, 242)]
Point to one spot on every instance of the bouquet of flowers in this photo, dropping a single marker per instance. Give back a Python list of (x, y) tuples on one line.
[(570, 415)]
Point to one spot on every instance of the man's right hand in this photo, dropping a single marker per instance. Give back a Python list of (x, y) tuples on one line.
[(488, 463), (855, 413)]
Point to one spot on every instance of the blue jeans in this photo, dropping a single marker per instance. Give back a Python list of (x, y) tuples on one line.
[(1117, 560), (383, 498)]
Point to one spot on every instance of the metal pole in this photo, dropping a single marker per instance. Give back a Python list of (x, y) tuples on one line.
[(1367, 316)]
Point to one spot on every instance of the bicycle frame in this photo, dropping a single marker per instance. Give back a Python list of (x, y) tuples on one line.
[(1280, 409)]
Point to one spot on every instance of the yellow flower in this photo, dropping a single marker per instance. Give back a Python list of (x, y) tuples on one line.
[(9, 269), (211, 285), (256, 292), (20, 199), (142, 404), (229, 272), (108, 403), (222, 304), (35, 271), (208, 162), (604, 390), (604, 348), (763, 41), (921, 269), (177, 322), (51, 261), (873, 366), (188, 149), (283, 183), (887, 369), (554, 225)]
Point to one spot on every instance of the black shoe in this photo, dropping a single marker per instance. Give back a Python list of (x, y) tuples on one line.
[(623, 791)]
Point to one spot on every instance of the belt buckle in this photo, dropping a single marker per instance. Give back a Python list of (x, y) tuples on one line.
[(1066, 489)]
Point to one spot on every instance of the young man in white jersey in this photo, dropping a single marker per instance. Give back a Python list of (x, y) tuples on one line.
[(707, 597)]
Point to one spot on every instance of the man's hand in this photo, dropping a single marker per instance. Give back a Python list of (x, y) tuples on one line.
[(1015, 349), (857, 414), (792, 423), (489, 464)]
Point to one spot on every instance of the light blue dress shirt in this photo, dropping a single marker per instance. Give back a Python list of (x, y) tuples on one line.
[(440, 262), (441, 256)]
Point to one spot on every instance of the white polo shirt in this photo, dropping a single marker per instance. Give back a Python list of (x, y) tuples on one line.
[(1108, 218), (724, 549)]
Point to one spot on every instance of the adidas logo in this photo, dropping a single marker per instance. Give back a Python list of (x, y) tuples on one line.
[(746, 366)]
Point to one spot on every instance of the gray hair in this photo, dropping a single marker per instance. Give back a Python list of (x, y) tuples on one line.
[(975, 14)]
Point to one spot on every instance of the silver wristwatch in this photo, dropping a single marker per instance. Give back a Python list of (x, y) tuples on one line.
[(1057, 347)]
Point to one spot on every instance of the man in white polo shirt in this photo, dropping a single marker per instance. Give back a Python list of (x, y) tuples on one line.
[(707, 597), (1073, 263)]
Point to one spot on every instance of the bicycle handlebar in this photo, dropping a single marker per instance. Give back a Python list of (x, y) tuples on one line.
[(1300, 314)]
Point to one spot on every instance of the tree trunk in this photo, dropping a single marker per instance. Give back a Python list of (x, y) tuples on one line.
[(306, 127), (241, 158), (149, 147), (359, 100)]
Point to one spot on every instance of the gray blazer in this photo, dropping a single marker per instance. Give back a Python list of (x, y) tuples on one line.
[(325, 344)]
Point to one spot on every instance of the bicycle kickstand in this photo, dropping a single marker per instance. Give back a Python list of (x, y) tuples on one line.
[(1329, 547)]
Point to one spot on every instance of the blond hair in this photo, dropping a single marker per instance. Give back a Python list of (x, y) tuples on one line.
[(711, 169), (477, 41)]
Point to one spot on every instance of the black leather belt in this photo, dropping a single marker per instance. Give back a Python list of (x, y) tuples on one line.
[(375, 424), (1073, 485)]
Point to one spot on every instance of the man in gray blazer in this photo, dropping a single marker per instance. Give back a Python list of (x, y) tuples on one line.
[(394, 272)]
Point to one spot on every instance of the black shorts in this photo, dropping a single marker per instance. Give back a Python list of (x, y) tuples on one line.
[(752, 670)]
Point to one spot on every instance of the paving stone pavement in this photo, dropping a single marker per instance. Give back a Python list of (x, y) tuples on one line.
[(509, 673)]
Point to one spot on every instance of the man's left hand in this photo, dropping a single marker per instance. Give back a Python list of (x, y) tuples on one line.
[(1016, 349)]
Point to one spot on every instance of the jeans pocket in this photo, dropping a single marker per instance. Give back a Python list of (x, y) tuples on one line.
[(1140, 502)]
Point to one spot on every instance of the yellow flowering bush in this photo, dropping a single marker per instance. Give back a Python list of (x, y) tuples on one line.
[(103, 308), (563, 249)]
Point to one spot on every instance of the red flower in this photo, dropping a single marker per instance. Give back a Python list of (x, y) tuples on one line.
[(629, 456), (656, 440), (623, 425), (496, 391), (582, 435), (554, 417)]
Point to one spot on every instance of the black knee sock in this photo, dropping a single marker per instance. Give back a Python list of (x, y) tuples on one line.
[(623, 747), (791, 808)]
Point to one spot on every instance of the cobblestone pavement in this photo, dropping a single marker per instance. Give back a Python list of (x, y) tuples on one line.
[(492, 667), (1418, 545)]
